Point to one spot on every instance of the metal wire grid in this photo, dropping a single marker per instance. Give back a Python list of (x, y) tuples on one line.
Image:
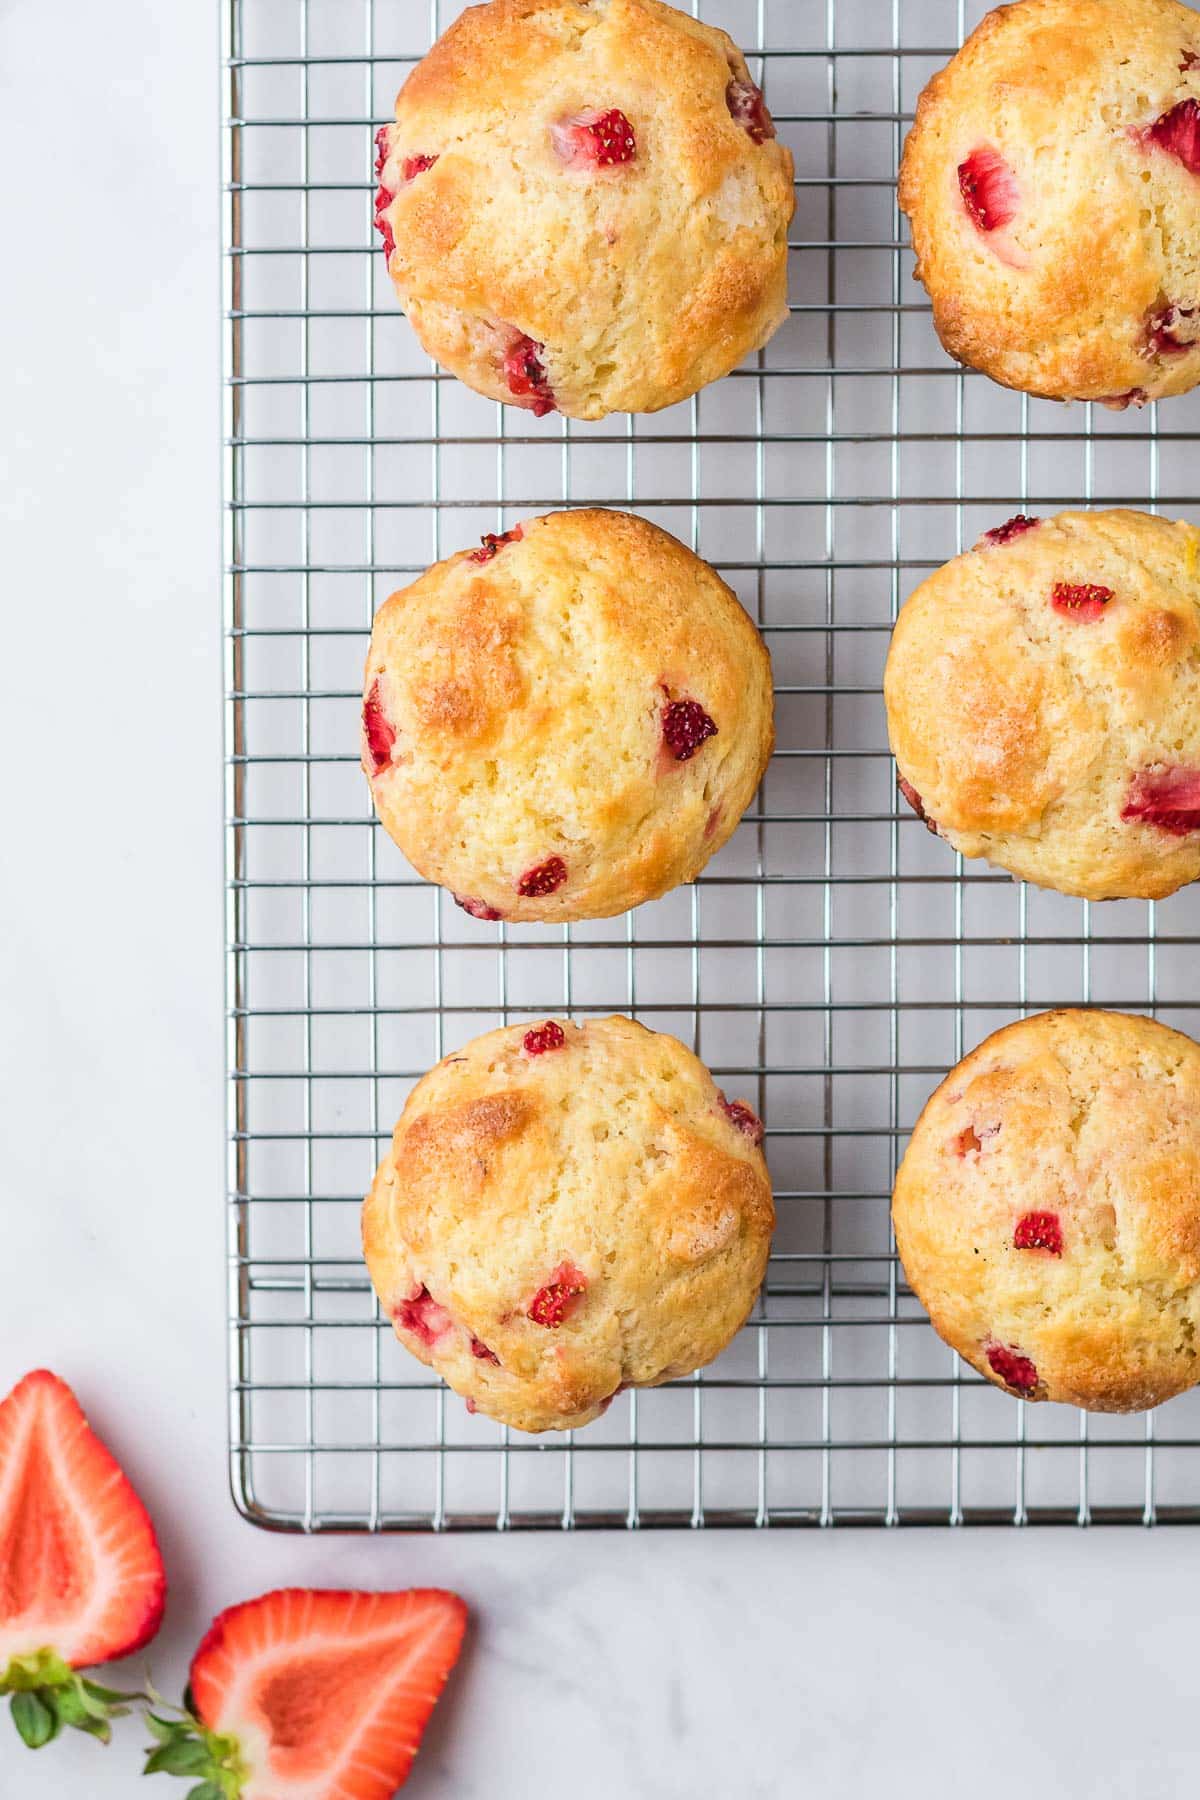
[(830, 963)]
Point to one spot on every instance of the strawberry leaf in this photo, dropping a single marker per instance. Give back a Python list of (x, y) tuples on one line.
[(34, 1720), (182, 1756), (208, 1790)]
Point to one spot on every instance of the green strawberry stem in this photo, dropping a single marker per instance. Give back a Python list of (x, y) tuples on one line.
[(48, 1697)]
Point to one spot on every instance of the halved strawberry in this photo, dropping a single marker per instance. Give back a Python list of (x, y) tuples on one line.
[(305, 1695), (81, 1578)]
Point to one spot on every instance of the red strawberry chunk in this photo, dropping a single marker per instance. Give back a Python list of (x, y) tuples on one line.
[(1173, 330), (685, 727), (423, 1318), (989, 189), (1168, 797), (1190, 60), (1015, 1371), (322, 1693), (491, 545), (413, 166), (549, 1036), (80, 1569), (481, 1353), (918, 805), (526, 376), (378, 730), (1178, 133), (595, 140), (478, 909), (1083, 601), (1118, 402), (1039, 1231), (383, 149), (383, 223), (743, 1119), (545, 879), (749, 110), (1011, 528), (554, 1302)]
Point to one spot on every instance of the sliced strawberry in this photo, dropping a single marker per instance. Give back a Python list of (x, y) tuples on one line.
[(1178, 133), (490, 545), (313, 1695), (594, 140), (1172, 330), (685, 726), (547, 878), (1039, 1231), (525, 373), (559, 1298), (1015, 1370), (1080, 600), (378, 730), (413, 166), (748, 109), (1168, 797), (989, 189), (478, 909), (1017, 526), (743, 1118), (81, 1578), (542, 1038)]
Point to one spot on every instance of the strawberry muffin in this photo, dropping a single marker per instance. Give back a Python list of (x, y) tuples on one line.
[(566, 721), (1043, 703), (1052, 180), (1047, 1211), (584, 205), (567, 1211)]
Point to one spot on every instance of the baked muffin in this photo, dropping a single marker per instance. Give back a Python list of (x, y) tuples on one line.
[(567, 1211), (1047, 1211), (566, 721), (584, 205), (1043, 701), (1052, 179)]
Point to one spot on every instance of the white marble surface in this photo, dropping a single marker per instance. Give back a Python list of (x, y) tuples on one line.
[(725, 1665)]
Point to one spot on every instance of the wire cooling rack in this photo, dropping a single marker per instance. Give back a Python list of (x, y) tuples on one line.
[(829, 964)]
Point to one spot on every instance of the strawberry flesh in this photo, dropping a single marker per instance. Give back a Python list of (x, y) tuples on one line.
[(989, 189), (490, 545), (525, 373), (918, 805), (481, 1353), (324, 1692), (80, 1569), (749, 110), (685, 726), (378, 730), (1015, 1371), (383, 223), (547, 878), (549, 1036), (478, 909), (1084, 601), (1178, 133), (1011, 528), (1166, 797), (413, 166), (595, 140), (554, 1302), (423, 1318), (1173, 330), (743, 1119), (1039, 1231)]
